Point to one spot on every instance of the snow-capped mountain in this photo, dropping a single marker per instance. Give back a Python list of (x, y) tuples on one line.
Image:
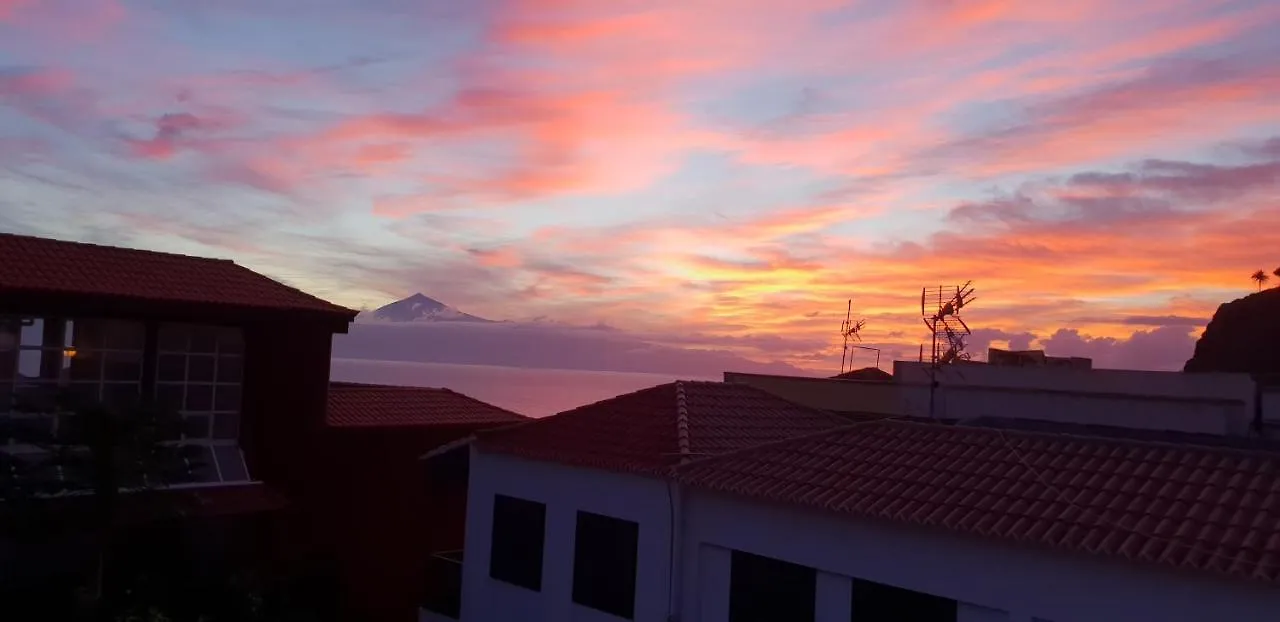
[(420, 308)]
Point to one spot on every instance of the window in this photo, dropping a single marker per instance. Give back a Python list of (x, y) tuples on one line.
[(97, 360), (876, 602), (762, 589), (197, 375), (515, 554), (604, 564), (199, 370)]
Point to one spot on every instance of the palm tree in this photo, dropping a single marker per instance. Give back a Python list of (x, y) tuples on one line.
[(1277, 273), (1260, 277)]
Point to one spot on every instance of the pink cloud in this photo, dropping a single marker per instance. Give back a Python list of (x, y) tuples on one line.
[(9, 8)]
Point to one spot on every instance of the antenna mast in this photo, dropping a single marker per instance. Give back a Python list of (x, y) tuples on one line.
[(940, 308), (851, 329)]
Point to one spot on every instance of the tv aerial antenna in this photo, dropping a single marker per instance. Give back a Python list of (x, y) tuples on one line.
[(852, 331), (940, 308)]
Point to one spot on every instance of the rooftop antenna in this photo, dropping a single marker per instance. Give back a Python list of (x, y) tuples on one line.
[(940, 308), (849, 329)]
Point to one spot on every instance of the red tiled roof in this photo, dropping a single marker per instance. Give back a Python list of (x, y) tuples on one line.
[(1201, 508), (370, 405), (31, 264), (650, 430)]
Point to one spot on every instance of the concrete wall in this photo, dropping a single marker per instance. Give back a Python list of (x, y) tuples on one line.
[(1271, 405), (991, 581), (827, 393), (564, 490), (1207, 403), (1120, 381)]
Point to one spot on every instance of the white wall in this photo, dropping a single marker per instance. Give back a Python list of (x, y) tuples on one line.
[(564, 490), (991, 580), (1128, 381), (1206, 403)]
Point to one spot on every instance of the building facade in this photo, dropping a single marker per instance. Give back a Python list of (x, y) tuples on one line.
[(241, 361), (871, 521)]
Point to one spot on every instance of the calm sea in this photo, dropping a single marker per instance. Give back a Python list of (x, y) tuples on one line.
[(532, 392)]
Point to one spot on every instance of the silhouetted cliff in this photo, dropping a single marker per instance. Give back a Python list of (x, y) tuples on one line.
[(1243, 336)]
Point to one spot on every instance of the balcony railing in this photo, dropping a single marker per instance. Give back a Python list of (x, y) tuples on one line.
[(442, 591)]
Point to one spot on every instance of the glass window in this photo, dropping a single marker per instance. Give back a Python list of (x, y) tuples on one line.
[(230, 463), (763, 589), (604, 564), (515, 555), (198, 376), (199, 372), (877, 602), (226, 426)]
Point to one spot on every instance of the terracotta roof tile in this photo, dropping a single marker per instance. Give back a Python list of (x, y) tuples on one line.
[(31, 264), (653, 429), (370, 405), (1203, 508)]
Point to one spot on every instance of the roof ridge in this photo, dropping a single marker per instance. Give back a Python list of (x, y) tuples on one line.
[(783, 441), (576, 410), (682, 422)]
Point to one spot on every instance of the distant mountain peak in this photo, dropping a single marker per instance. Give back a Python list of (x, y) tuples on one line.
[(422, 308)]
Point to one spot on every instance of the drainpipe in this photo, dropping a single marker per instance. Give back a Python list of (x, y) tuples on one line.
[(675, 549)]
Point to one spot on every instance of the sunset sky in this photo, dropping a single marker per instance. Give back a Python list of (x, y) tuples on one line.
[(719, 174)]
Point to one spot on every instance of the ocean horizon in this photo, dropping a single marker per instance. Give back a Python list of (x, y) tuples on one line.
[(533, 392)]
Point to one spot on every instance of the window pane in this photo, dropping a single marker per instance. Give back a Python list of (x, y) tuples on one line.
[(86, 365), (125, 335), (83, 394), (42, 365), (604, 564), (762, 589), (173, 338), (171, 368), (877, 602), (227, 397), (199, 398), (32, 332), (195, 426), (230, 341), (123, 366), (169, 397), (230, 463), (88, 335), (226, 426), (121, 395), (200, 368), (200, 463), (230, 368), (34, 397), (204, 339), (519, 527)]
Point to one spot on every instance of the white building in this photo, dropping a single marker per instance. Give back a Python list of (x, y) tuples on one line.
[(1205, 403), (719, 502)]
